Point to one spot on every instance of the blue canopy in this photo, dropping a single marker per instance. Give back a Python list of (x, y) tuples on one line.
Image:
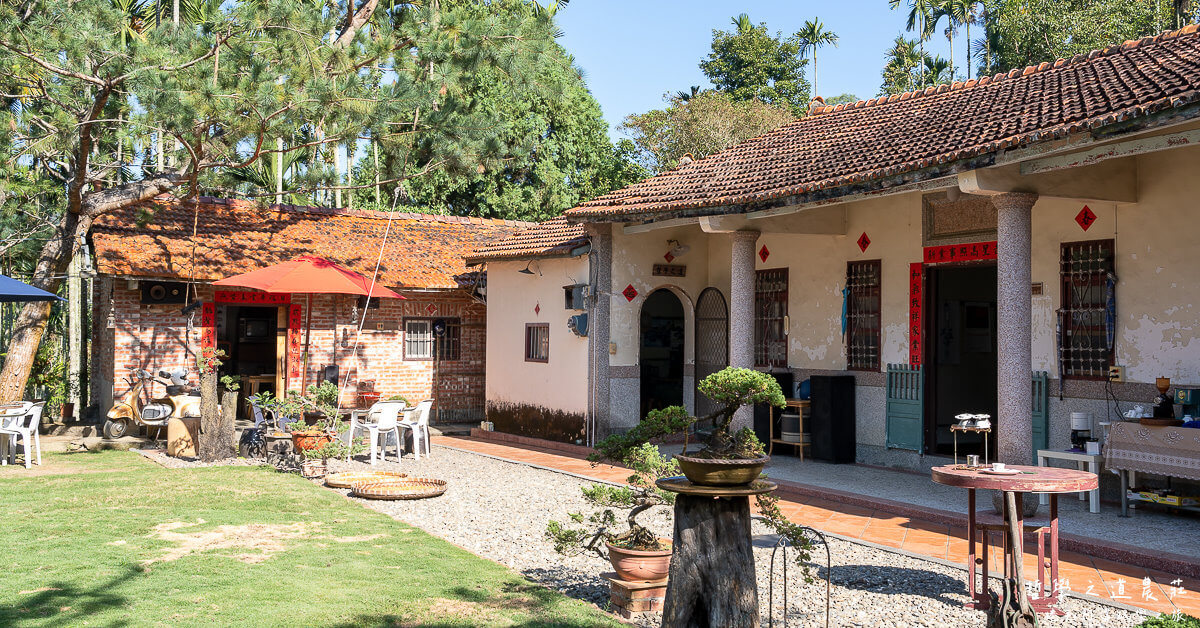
[(13, 290)]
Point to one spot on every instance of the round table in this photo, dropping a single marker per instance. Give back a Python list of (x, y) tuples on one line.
[(1028, 479)]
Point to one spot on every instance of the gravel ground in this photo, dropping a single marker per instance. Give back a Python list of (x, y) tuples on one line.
[(499, 510)]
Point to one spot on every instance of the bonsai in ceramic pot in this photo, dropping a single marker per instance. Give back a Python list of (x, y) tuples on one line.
[(727, 458), (636, 553)]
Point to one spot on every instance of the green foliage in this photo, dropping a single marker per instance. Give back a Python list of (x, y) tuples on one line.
[(398, 398), (1027, 32), (732, 387), (231, 382), (773, 518), (557, 153), (749, 63), (324, 394), (48, 380), (586, 533), (697, 125), (336, 448), (1171, 621), (841, 99)]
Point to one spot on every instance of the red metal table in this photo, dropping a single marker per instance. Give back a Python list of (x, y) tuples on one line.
[(1029, 479)]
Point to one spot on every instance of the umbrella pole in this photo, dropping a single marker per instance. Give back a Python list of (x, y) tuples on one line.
[(307, 335)]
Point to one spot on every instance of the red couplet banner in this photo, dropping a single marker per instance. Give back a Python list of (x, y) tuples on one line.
[(970, 252), (916, 322)]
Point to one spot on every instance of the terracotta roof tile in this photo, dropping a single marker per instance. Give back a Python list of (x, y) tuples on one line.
[(839, 145), (234, 236), (550, 238)]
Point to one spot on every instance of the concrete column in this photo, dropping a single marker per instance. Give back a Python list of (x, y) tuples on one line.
[(741, 311), (600, 279), (1014, 386)]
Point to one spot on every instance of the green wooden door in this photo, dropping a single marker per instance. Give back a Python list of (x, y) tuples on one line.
[(905, 409), (1041, 412)]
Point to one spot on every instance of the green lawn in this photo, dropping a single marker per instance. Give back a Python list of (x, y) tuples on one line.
[(111, 539)]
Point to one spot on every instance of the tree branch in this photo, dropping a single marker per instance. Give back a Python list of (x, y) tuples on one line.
[(134, 192), (354, 23), (50, 67)]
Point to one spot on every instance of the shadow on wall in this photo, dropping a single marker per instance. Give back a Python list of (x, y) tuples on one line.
[(537, 422)]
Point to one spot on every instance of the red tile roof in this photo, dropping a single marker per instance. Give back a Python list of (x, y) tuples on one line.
[(551, 238), (884, 137), (234, 236)]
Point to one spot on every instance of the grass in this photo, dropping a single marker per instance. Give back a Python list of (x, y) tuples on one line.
[(111, 539)]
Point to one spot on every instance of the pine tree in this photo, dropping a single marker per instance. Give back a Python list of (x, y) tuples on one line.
[(223, 88)]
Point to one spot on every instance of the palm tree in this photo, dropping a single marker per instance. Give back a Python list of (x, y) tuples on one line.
[(955, 12), (688, 95), (902, 60), (813, 35), (936, 70), (743, 23), (137, 14), (972, 15), (919, 13)]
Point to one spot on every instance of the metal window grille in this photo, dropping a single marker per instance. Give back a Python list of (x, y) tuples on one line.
[(1087, 317), (448, 346), (418, 339), (770, 316), (863, 315), (537, 342)]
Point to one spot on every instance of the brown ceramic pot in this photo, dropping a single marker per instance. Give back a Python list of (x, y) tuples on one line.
[(303, 441), (639, 565), (715, 472)]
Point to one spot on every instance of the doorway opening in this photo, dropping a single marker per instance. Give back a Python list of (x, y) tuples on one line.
[(661, 356), (250, 338), (961, 355)]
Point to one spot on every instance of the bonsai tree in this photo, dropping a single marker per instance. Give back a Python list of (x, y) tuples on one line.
[(731, 387), (585, 534)]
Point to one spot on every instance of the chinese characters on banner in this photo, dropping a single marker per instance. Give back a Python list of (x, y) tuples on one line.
[(208, 326), (945, 254), (252, 298), (294, 347), (970, 252), (916, 298)]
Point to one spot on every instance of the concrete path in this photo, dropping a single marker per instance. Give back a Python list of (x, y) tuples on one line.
[(859, 503)]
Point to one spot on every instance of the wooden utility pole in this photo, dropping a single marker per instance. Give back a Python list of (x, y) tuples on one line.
[(279, 171)]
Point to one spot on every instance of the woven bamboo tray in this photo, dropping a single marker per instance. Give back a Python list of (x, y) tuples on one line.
[(348, 479), (410, 488)]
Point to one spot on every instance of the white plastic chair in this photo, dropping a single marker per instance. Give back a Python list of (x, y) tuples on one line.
[(24, 427), (386, 423), (11, 415), (360, 421), (417, 421)]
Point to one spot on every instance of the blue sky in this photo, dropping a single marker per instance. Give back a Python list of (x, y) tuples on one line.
[(634, 51)]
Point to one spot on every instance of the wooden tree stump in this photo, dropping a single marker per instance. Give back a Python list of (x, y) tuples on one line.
[(216, 429), (712, 581)]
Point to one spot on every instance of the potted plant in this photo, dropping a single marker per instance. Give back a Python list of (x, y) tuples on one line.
[(727, 459), (315, 420), (634, 551), (316, 459)]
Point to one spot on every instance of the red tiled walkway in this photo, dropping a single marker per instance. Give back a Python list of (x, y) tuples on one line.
[(1128, 584)]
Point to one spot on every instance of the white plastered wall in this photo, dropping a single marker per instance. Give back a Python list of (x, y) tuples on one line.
[(562, 382)]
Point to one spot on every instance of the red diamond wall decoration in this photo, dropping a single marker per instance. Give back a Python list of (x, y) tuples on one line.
[(1085, 218), (670, 258), (430, 309), (763, 253), (537, 309), (630, 292), (863, 242)]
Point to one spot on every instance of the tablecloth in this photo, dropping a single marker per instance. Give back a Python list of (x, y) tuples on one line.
[(1171, 451)]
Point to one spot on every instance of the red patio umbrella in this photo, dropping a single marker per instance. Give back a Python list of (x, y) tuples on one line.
[(308, 274)]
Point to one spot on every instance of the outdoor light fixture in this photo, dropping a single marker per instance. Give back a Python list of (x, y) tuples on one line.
[(526, 271), (677, 249)]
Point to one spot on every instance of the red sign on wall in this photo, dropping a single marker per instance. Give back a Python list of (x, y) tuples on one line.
[(916, 321), (295, 349), (970, 252), (208, 326), (252, 298)]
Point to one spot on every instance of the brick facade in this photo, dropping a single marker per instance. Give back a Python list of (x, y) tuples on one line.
[(129, 335)]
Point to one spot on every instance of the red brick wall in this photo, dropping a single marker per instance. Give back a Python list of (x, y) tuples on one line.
[(160, 337)]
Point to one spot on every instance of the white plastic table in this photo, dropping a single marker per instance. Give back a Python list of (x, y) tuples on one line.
[(1083, 462)]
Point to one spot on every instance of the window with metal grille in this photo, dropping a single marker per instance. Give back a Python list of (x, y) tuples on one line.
[(862, 315), (537, 342), (770, 317), (430, 338), (1087, 317)]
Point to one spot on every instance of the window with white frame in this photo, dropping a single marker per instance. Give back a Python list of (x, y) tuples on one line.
[(418, 339)]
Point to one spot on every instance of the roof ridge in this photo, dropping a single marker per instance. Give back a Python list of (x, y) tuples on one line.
[(942, 88), (345, 211)]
